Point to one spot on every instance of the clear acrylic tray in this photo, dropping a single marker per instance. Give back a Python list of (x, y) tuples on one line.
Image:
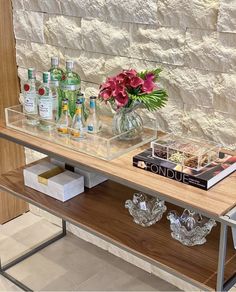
[(104, 145), (186, 152)]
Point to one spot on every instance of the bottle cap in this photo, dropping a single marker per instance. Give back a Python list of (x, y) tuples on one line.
[(80, 94), (46, 77), (93, 97), (69, 64), (65, 100), (79, 101), (54, 61), (31, 73)]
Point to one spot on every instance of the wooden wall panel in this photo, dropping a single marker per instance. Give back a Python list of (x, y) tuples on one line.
[(11, 155)]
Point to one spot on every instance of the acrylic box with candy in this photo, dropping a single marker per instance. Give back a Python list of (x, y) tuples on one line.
[(187, 152)]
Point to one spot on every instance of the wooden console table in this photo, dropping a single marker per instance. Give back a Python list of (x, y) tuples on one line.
[(101, 211)]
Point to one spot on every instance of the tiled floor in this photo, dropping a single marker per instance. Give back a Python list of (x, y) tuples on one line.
[(70, 264)]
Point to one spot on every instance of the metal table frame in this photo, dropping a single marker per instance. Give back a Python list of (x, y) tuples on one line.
[(226, 221), (28, 254)]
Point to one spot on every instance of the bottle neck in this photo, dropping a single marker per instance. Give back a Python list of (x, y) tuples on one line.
[(92, 105), (54, 66)]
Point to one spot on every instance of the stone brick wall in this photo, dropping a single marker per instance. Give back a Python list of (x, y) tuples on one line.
[(194, 41)]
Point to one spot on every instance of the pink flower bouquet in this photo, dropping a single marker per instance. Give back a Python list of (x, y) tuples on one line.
[(130, 87)]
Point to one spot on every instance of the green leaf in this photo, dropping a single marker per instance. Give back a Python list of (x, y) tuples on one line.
[(155, 72), (152, 101)]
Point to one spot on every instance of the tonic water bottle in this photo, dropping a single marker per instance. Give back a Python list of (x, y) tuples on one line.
[(70, 86), (56, 74), (30, 105), (85, 111), (65, 119), (93, 121), (47, 111), (78, 128)]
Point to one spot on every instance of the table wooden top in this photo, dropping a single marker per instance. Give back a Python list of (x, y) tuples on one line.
[(215, 202)]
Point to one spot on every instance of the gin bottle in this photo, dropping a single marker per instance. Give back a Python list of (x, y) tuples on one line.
[(47, 96), (70, 86), (93, 122), (78, 129), (65, 120), (30, 105), (56, 74)]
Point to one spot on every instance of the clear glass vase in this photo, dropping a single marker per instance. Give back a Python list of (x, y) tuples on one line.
[(129, 122)]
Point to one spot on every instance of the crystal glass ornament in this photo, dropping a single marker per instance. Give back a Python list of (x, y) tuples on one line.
[(146, 210), (190, 228)]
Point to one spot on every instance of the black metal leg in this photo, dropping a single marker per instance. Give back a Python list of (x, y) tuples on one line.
[(26, 255)]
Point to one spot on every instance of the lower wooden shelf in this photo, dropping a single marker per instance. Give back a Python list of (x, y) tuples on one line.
[(101, 210)]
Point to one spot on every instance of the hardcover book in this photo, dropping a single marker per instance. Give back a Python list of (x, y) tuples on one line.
[(203, 179)]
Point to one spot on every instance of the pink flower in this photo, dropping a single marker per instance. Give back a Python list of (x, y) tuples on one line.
[(148, 85), (106, 94), (121, 99), (130, 73), (136, 81)]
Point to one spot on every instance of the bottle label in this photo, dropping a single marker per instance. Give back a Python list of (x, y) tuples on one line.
[(70, 87), (78, 111), (30, 103), (75, 134), (62, 130), (46, 109)]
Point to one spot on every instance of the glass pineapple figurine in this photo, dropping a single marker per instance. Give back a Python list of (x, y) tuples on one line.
[(30, 106), (78, 128), (70, 86), (65, 119)]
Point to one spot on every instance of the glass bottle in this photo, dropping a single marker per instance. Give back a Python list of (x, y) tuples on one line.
[(47, 96), (65, 119), (70, 86), (93, 122), (56, 74), (30, 106), (85, 112), (78, 128)]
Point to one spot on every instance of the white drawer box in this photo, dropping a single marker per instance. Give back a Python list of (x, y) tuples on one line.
[(91, 179), (54, 181)]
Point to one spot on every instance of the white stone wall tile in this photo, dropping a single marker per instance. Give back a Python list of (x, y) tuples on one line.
[(110, 38), (190, 86), (137, 11), (17, 4), (159, 44), (188, 13), (63, 31), (37, 55), (48, 6), (84, 8), (28, 25), (224, 99), (199, 122), (211, 50), (227, 16)]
